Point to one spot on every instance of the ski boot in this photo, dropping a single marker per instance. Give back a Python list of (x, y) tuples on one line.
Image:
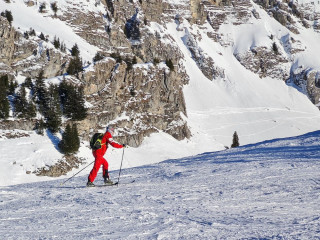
[(90, 184), (107, 181)]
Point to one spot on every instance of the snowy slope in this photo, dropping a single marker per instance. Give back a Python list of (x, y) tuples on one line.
[(25, 17), (258, 109), (269, 190)]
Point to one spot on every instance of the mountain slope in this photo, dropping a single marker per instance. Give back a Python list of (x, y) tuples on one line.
[(268, 190)]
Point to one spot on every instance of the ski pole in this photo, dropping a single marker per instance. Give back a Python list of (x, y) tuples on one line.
[(76, 173), (120, 167)]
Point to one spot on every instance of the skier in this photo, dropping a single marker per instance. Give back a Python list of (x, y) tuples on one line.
[(100, 160)]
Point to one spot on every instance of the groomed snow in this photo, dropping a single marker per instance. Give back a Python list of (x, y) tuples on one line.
[(269, 190)]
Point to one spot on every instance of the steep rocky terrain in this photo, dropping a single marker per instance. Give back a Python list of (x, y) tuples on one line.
[(133, 85)]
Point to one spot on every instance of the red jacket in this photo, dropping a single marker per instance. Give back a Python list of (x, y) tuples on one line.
[(106, 140)]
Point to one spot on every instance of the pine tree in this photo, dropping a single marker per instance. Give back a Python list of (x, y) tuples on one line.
[(170, 65), (4, 82), (75, 66), (66, 145), (54, 8), (80, 112), (41, 36), (235, 140), (42, 7), (4, 102), (32, 32), (28, 83), (53, 110), (41, 93), (75, 51), (72, 100), (31, 110), (12, 87), (7, 14), (75, 138), (56, 42), (99, 56), (275, 48), (63, 47), (26, 35), (40, 127), (20, 103)]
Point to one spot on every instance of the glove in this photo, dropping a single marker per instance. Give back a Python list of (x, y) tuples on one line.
[(124, 145)]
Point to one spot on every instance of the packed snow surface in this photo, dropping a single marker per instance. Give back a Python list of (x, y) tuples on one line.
[(269, 190)]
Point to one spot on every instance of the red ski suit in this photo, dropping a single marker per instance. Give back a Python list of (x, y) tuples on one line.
[(99, 159)]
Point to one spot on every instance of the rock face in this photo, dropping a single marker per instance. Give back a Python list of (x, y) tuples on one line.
[(308, 81), (265, 62), (7, 34), (148, 99), (28, 55), (61, 168)]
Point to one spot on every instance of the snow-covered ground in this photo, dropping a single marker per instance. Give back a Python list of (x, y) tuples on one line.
[(269, 190)]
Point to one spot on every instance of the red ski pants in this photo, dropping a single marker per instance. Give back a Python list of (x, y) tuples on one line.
[(99, 160)]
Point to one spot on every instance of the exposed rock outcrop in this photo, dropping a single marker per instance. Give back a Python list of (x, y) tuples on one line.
[(149, 98), (308, 80), (61, 168), (28, 55)]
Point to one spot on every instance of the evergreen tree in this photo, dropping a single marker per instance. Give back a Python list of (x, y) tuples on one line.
[(156, 61), (63, 47), (26, 35), (80, 112), (41, 93), (275, 48), (4, 102), (235, 140), (4, 82), (8, 15), (170, 65), (28, 83), (75, 138), (54, 8), (99, 56), (56, 42), (40, 127), (75, 51), (32, 32), (117, 57), (41, 36), (31, 110), (66, 144), (72, 100), (20, 103), (53, 110), (42, 7), (12, 87), (75, 66), (23, 107)]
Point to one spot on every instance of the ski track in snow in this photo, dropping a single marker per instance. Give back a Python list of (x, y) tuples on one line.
[(269, 190)]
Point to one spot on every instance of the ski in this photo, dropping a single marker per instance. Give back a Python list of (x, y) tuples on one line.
[(110, 185), (106, 185)]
